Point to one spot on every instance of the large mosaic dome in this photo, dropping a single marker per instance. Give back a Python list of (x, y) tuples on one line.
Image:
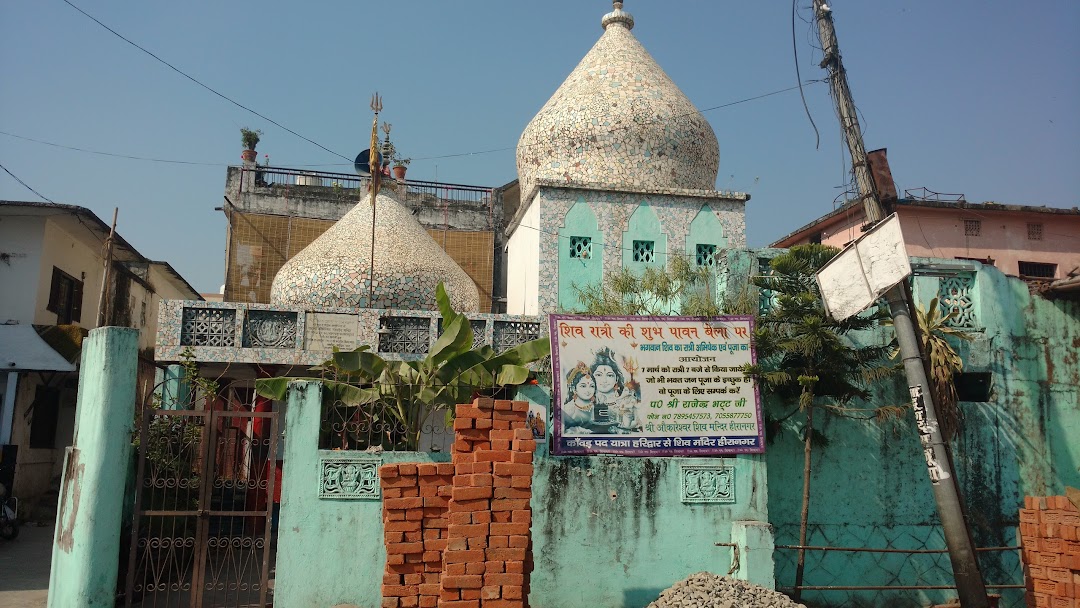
[(619, 120), (333, 270)]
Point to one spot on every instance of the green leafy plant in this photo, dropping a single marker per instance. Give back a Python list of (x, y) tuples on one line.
[(402, 162), (804, 356), (250, 138), (942, 362), (681, 287), (411, 392)]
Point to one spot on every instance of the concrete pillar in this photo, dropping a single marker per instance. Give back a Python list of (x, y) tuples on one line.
[(754, 540), (87, 543)]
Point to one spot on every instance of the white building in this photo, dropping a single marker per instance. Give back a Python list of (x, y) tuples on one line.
[(52, 263)]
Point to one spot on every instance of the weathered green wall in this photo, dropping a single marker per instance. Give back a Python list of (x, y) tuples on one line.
[(330, 552), (870, 487)]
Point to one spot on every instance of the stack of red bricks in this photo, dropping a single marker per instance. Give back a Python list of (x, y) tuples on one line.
[(485, 555), (1050, 535), (415, 499)]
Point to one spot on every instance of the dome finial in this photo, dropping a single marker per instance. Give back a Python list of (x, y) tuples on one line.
[(618, 16)]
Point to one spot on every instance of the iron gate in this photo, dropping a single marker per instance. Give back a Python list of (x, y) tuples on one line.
[(201, 536)]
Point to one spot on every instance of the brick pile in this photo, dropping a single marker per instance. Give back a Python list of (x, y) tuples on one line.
[(1050, 537), (464, 539), (415, 524)]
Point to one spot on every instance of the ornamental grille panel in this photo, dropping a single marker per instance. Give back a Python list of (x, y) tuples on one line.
[(643, 252), (706, 255), (404, 335), (972, 227), (707, 483), (479, 329), (1035, 232), (581, 247), (380, 425), (208, 327), (508, 334), (955, 294), (270, 329), (349, 478)]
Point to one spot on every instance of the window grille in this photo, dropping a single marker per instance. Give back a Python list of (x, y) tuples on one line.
[(581, 247), (1035, 232), (405, 335), (956, 296), (643, 252), (706, 255), (972, 227), (479, 329), (507, 334), (208, 327), (1037, 270)]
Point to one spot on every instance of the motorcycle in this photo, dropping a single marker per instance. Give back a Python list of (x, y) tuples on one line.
[(9, 506)]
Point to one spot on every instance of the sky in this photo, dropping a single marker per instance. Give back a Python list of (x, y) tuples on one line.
[(972, 97)]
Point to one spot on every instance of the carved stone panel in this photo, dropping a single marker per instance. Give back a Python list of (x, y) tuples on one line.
[(349, 477), (324, 331), (270, 329), (707, 483)]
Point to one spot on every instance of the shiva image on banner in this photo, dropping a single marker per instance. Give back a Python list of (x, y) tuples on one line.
[(654, 386)]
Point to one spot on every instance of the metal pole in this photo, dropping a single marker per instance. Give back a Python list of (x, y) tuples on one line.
[(969, 581)]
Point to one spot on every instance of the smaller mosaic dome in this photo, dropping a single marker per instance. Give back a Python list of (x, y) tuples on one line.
[(333, 270), (619, 120)]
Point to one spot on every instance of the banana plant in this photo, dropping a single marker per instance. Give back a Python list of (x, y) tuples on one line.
[(410, 392)]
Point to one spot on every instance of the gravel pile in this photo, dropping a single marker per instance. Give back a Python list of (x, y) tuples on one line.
[(705, 590)]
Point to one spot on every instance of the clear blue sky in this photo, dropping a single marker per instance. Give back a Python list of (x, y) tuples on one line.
[(975, 97)]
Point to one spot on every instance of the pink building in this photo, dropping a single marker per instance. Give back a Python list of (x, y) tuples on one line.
[(1041, 243)]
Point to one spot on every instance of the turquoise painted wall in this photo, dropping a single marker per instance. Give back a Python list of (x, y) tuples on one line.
[(870, 489), (586, 268), (644, 226), (705, 230), (329, 551)]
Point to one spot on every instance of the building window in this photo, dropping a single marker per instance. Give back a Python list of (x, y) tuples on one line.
[(1037, 270), (972, 227), (973, 386), (1035, 232), (581, 247), (706, 255), (65, 297), (643, 252)]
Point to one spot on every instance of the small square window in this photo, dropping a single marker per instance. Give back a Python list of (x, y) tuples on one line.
[(581, 247), (1035, 232), (972, 227), (643, 252), (706, 255), (1037, 270)]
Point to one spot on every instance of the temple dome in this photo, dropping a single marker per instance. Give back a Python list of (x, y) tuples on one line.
[(618, 120), (333, 270)]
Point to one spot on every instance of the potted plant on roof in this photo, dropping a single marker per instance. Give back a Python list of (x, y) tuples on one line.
[(401, 165), (251, 139)]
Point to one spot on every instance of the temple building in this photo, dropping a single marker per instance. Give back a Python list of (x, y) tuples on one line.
[(617, 170)]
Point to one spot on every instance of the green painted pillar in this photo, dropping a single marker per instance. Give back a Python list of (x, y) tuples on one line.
[(86, 548), (754, 540)]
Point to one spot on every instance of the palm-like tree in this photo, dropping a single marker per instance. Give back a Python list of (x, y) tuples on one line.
[(805, 356)]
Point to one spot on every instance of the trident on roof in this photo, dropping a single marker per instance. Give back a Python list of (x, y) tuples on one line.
[(374, 161)]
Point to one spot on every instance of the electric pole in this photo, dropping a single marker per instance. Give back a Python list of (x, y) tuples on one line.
[(969, 581)]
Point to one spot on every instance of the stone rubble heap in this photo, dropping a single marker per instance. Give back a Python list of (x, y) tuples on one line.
[(706, 590)]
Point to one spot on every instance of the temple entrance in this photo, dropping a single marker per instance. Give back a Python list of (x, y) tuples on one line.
[(202, 535)]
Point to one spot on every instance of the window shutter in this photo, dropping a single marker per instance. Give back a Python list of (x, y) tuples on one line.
[(76, 301), (54, 291)]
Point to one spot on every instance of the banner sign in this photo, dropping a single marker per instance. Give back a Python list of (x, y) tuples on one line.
[(654, 386)]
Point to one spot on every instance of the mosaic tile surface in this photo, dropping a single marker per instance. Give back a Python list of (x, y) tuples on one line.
[(675, 210), (333, 270), (618, 118)]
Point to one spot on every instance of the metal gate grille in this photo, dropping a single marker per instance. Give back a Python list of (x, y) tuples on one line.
[(203, 506)]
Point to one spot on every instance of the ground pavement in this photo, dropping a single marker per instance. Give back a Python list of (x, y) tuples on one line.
[(24, 568)]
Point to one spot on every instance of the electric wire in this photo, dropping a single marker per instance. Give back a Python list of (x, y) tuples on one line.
[(28, 187), (192, 79), (798, 76)]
